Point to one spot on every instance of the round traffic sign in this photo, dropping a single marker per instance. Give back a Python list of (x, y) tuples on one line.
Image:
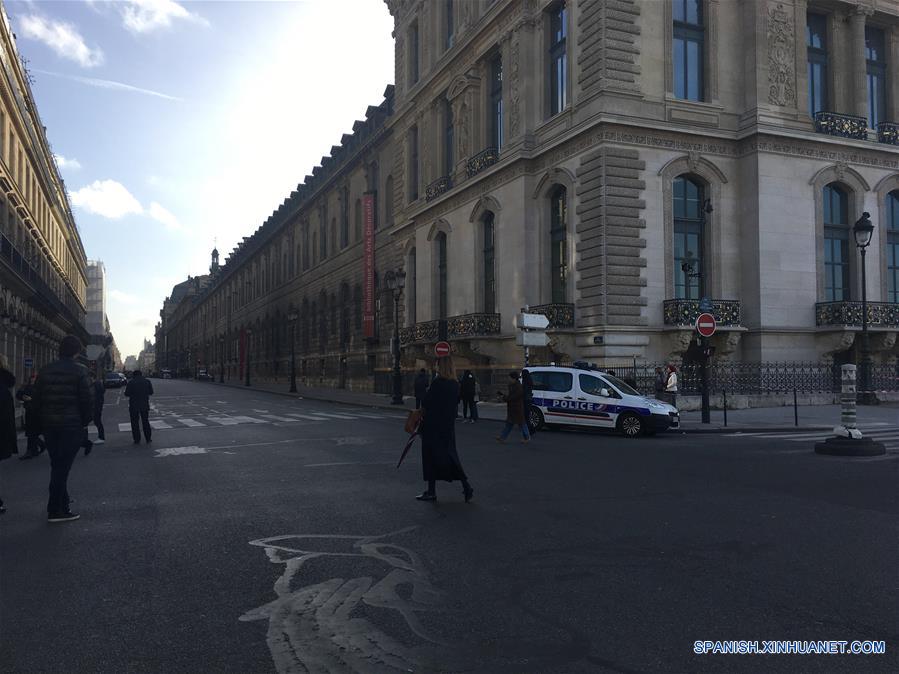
[(706, 325), (442, 349)]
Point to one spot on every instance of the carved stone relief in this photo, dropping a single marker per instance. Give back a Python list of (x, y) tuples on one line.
[(781, 58), (514, 85)]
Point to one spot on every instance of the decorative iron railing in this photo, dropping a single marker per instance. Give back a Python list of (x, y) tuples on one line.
[(457, 327), (838, 124), (888, 132), (685, 312), (440, 186), (481, 160), (880, 314), (559, 315)]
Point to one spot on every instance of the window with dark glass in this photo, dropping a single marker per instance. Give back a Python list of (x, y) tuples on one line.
[(449, 24), (489, 265), (558, 245), (441, 275), (413, 163), (836, 244), (875, 58), (558, 59), (689, 48), (496, 102), (448, 134), (893, 246), (688, 237), (413, 53), (816, 49)]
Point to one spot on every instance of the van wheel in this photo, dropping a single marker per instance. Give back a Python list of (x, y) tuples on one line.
[(630, 425), (535, 418)]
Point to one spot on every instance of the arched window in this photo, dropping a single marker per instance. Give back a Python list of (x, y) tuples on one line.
[(893, 246), (489, 261), (689, 219), (440, 252), (558, 245), (836, 244)]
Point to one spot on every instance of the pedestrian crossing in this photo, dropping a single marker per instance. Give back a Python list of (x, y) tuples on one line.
[(888, 436)]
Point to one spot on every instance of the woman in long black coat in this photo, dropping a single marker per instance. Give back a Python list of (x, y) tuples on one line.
[(7, 416), (439, 459)]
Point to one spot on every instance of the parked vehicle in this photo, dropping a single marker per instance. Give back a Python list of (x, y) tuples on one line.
[(583, 395), (114, 380), (203, 375), (165, 373)]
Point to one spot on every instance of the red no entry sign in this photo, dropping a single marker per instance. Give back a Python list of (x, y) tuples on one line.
[(706, 325), (442, 349)]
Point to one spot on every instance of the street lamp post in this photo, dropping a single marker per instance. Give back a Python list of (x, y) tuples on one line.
[(292, 317), (247, 364), (863, 230), (221, 360), (396, 281)]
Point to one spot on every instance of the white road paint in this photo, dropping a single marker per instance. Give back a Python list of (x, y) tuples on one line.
[(248, 420), (275, 417), (158, 424), (224, 421), (124, 427), (261, 411), (175, 451), (334, 416), (193, 423), (352, 440), (349, 463), (309, 417)]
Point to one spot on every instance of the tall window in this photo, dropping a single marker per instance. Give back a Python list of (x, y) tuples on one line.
[(816, 48), (688, 235), (440, 244), (496, 101), (558, 244), (836, 244), (345, 218), (449, 24), (448, 137), (558, 59), (413, 163), (489, 265), (411, 288), (893, 246), (689, 45), (413, 53), (875, 57)]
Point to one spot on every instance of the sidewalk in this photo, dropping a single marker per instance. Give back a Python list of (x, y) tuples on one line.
[(751, 420)]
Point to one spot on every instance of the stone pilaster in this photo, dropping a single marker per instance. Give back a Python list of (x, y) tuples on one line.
[(607, 46), (801, 57), (859, 101)]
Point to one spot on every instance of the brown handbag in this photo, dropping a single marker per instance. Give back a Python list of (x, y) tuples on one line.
[(413, 421)]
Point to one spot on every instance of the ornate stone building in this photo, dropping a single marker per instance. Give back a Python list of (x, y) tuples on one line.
[(43, 266), (609, 163)]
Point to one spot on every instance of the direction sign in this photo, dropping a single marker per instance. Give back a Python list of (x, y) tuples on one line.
[(532, 339), (29, 362), (706, 325), (442, 349), (706, 306), (532, 321)]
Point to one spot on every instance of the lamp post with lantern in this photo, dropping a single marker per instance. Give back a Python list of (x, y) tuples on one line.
[(863, 231), (396, 281)]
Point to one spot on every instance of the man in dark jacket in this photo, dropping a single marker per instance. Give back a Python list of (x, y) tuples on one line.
[(422, 381), (138, 392), (32, 423), (99, 392), (62, 402)]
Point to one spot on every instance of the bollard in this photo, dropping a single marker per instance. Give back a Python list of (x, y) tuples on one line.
[(848, 440), (795, 409)]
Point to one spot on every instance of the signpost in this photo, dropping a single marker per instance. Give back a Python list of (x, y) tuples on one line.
[(531, 332), (705, 326), (29, 362), (442, 349)]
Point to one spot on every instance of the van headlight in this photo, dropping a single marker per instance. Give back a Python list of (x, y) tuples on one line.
[(658, 406)]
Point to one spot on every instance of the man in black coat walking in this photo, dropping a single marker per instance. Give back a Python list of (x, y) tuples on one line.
[(62, 402), (138, 392)]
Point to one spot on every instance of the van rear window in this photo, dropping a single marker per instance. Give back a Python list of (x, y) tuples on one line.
[(559, 382)]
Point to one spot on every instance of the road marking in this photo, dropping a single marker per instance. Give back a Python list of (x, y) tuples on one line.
[(349, 463), (307, 416), (158, 424), (261, 411), (275, 417), (249, 420), (124, 427), (193, 423), (174, 451), (335, 416), (223, 421)]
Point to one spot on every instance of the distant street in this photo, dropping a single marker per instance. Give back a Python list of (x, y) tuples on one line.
[(262, 533)]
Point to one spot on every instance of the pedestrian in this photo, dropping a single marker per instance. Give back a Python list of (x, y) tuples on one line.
[(99, 392), (8, 444), (671, 386), (422, 381), (527, 384), (514, 410), (661, 381), (468, 391), (138, 392), (439, 459), (62, 401), (36, 445)]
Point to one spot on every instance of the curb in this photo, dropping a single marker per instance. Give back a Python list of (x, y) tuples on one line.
[(753, 429)]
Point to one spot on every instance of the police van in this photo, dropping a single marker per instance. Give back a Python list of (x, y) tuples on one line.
[(582, 395)]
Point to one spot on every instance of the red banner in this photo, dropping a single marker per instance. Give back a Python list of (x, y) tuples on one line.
[(368, 265)]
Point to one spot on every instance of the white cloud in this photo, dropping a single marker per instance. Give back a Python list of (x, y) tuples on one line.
[(64, 163), (107, 84), (163, 215), (62, 38), (145, 16), (108, 198), (122, 297)]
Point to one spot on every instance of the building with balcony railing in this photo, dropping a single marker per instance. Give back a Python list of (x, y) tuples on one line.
[(42, 261)]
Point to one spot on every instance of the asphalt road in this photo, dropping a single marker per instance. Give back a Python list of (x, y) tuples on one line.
[(258, 535)]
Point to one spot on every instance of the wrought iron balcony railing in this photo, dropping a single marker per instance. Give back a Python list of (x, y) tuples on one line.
[(838, 124), (457, 327), (888, 132), (481, 160), (438, 187), (880, 314), (559, 315), (685, 312)]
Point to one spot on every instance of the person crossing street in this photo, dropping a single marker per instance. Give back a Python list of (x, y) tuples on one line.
[(138, 392), (99, 392)]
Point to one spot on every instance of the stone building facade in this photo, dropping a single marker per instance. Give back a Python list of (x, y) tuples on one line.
[(43, 266), (609, 163)]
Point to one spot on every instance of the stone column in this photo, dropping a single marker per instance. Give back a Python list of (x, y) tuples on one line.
[(839, 65), (858, 72)]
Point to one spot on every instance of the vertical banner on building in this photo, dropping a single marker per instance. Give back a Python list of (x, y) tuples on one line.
[(368, 265)]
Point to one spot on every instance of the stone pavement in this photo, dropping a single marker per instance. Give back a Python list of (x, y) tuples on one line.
[(811, 417)]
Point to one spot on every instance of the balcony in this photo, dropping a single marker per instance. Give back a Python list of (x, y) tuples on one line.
[(888, 132), (838, 124), (43, 294), (481, 160), (559, 315), (438, 187), (685, 312), (457, 327), (880, 314)]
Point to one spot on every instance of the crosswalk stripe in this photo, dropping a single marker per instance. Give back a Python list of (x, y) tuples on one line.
[(275, 417), (308, 417), (249, 420), (335, 416), (158, 424), (223, 421), (193, 423), (124, 427)]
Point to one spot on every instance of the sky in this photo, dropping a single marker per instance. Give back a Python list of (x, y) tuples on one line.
[(178, 126)]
